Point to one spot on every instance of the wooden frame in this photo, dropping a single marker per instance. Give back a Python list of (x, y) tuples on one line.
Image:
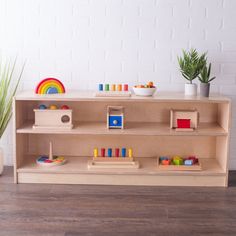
[(192, 115), (115, 112), (147, 131)]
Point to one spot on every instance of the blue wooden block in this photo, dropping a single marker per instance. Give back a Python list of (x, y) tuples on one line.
[(123, 152), (109, 152), (115, 121), (100, 87), (188, 162), (163, 158)]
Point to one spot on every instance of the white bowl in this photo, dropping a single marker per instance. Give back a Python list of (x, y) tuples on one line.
[(145, 92)]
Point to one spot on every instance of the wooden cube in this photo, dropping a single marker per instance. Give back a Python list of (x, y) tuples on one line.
[(115, 117)]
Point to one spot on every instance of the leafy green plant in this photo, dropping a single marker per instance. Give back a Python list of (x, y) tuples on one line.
[(8, 89), (205, 74), (191, 64)]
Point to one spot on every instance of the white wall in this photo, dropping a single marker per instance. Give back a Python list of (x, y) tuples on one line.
[(84, 42)]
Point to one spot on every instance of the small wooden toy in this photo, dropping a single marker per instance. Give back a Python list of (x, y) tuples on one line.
[(130, 152), (110, 161), (183, 120), (53, 107), (50, 86), (64, 107), (177, 160), (42, 107), (103, 152), (123, 152), (115, 117), (178, 163), (50, 160), (109, 152), (117, 152), (53, 118), (95, 152), (113, 90)]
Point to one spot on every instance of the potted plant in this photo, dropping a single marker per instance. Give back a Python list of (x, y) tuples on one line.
[(191, 65), (205, 80), (7, 91)]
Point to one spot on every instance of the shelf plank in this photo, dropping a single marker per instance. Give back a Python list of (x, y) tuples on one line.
[(148, 166), (90, 96), (132, 128)]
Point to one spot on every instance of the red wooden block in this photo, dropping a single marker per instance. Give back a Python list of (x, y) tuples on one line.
[(103, 152), (117, 152), (183, 123)]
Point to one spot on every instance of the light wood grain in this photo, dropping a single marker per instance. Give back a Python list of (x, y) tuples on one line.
[(131, 128), (147, 131)]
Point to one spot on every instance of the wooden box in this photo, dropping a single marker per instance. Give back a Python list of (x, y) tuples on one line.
[(184, 116), (53, 119), (115, 117)]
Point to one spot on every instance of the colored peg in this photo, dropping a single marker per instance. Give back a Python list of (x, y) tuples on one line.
[(130, 152), (103, 152), (119, 87), (100, 87), (113, 87), (123, 152), (109, 151), (117, 152), (126, 87), (95, 152), (106, 87)]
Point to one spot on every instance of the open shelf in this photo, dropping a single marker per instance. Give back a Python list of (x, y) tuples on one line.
[(147, 131), (78, 165), (131, 128)]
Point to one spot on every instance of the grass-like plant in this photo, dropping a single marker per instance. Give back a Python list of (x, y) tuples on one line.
[(191, 64), (8, 87), (205, 75)]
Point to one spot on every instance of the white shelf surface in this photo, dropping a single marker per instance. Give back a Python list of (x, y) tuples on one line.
[(132, 128), (148, 166)]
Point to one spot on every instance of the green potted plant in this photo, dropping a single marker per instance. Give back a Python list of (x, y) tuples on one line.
[(191, 65), (8, 89), (205, 79)]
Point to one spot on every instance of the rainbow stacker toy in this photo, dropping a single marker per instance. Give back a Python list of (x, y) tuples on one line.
[(50, 160), (50, 86), (113, 90), (113, 158)]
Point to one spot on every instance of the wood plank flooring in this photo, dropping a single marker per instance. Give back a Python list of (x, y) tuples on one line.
[(71, 210)]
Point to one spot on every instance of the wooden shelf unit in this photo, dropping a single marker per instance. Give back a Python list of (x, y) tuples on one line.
[(147, 131)]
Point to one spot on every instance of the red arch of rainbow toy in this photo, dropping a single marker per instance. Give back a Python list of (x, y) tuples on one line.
[(50, 83)]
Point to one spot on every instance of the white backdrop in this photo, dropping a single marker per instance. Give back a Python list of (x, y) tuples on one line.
[(85, 42)]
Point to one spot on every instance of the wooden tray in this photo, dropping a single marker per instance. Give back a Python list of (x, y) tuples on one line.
[(196, 167), (113, 94)]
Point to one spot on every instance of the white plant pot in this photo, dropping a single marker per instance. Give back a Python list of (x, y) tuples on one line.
[(1, 160), (190, 89)]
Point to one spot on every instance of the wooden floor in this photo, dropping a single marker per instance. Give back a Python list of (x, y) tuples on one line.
[(34, 209)]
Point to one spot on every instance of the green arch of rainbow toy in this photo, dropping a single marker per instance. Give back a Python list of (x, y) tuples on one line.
[(50, 86)]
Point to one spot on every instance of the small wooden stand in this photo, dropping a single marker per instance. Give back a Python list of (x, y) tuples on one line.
[(195, 167), (183, 114), (113, 162), (113, 94)]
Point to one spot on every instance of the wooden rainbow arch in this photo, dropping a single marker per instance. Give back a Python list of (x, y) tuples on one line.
[(50, 86)]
